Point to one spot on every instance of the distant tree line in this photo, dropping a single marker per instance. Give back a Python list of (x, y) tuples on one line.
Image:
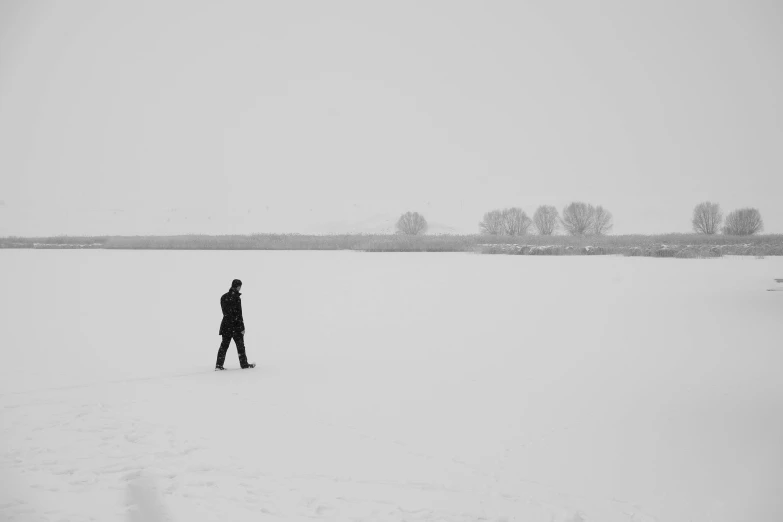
[(578, 219), (506, 222), (583, 219), (707, 219)]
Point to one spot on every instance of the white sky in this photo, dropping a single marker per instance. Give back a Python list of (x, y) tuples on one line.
[(308, 116)]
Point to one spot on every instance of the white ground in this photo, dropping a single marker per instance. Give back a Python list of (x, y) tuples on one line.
[(390, 387)]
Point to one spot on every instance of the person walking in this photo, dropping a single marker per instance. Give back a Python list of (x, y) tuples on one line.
[(232, 326)]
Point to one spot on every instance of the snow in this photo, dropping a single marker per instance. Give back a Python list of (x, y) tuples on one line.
[(395, 386)]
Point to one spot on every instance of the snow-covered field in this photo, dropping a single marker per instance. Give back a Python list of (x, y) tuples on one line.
[(452, 387)]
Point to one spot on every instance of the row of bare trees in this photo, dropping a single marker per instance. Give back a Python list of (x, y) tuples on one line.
[(578, 219), (707, 219), (506, 222)]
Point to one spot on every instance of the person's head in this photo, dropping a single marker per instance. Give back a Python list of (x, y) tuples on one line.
[(236, 284)]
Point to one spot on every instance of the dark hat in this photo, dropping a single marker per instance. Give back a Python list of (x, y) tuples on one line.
[(235, 283)]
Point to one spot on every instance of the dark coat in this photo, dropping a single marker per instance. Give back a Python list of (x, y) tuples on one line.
[(231, 304)]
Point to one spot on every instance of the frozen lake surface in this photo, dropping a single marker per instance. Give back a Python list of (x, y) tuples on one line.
[(398, 386)]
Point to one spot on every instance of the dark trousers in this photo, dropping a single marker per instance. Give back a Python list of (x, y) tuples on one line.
[(239, 340)]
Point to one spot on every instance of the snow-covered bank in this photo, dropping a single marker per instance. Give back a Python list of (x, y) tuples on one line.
[(390, 387), (666, 245)]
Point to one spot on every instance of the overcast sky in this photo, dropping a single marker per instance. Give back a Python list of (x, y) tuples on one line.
[(293, 116)]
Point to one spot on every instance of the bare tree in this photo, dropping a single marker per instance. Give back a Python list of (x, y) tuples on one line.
[(545, 220), (602, 222), (706, 218), (492, 223), (743, 222), (515, 222), (412, 224), (578, 218)]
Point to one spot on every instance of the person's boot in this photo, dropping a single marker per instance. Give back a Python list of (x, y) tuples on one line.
[(219, 368), (249, 365)]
